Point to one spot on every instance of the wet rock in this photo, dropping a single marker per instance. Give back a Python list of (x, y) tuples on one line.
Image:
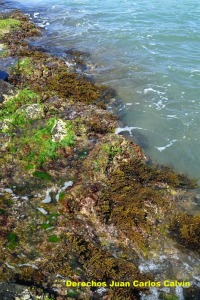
[(99, 293), (10, 291), (33, 111), (4, 75), (192, 293), (59, 130), (6, 90), (7, 62)]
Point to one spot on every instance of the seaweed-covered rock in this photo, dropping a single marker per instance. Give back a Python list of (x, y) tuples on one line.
[(77, 201), (186, 229), (33, 111), (6, 90), (8, 24)]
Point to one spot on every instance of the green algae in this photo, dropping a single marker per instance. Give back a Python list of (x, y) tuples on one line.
[(2, 211), (35, 147), (42, 175), (46, 226), (112, 150), (53, 238), (8, 24), (13, 240), (61, 195), (6, 203), (72, 293), (3, 51), (24, 66), (46, 148), (50, 221), (3, 54), (15, 27), (9, 108)]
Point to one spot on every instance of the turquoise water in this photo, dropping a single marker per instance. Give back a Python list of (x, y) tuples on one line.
[(149, 52)]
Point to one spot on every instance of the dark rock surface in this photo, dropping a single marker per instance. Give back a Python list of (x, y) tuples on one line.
[(11, 290), (4, 75), (6, 90)]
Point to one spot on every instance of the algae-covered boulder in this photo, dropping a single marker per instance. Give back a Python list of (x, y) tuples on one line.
[(108, 154), (7, 25), (33, 111)]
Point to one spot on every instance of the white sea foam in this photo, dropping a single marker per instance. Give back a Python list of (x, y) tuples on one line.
[(149, 90), (28, 265), (42, 210), (36, 14), (9, 266), (127, 128), (146, 91), (167, 146), (11, 192), (160, 105), (65, 186), (69, 64), (54, 189), (172, 117), (47, 198), (195, 71), (60, 276)]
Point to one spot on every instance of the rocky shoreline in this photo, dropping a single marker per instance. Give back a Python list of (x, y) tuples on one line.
[(77, 201)]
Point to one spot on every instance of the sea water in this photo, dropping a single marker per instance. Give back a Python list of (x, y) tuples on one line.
[(149, 51)]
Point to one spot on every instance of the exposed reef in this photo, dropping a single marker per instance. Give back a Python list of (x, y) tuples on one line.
[(77, 201)]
